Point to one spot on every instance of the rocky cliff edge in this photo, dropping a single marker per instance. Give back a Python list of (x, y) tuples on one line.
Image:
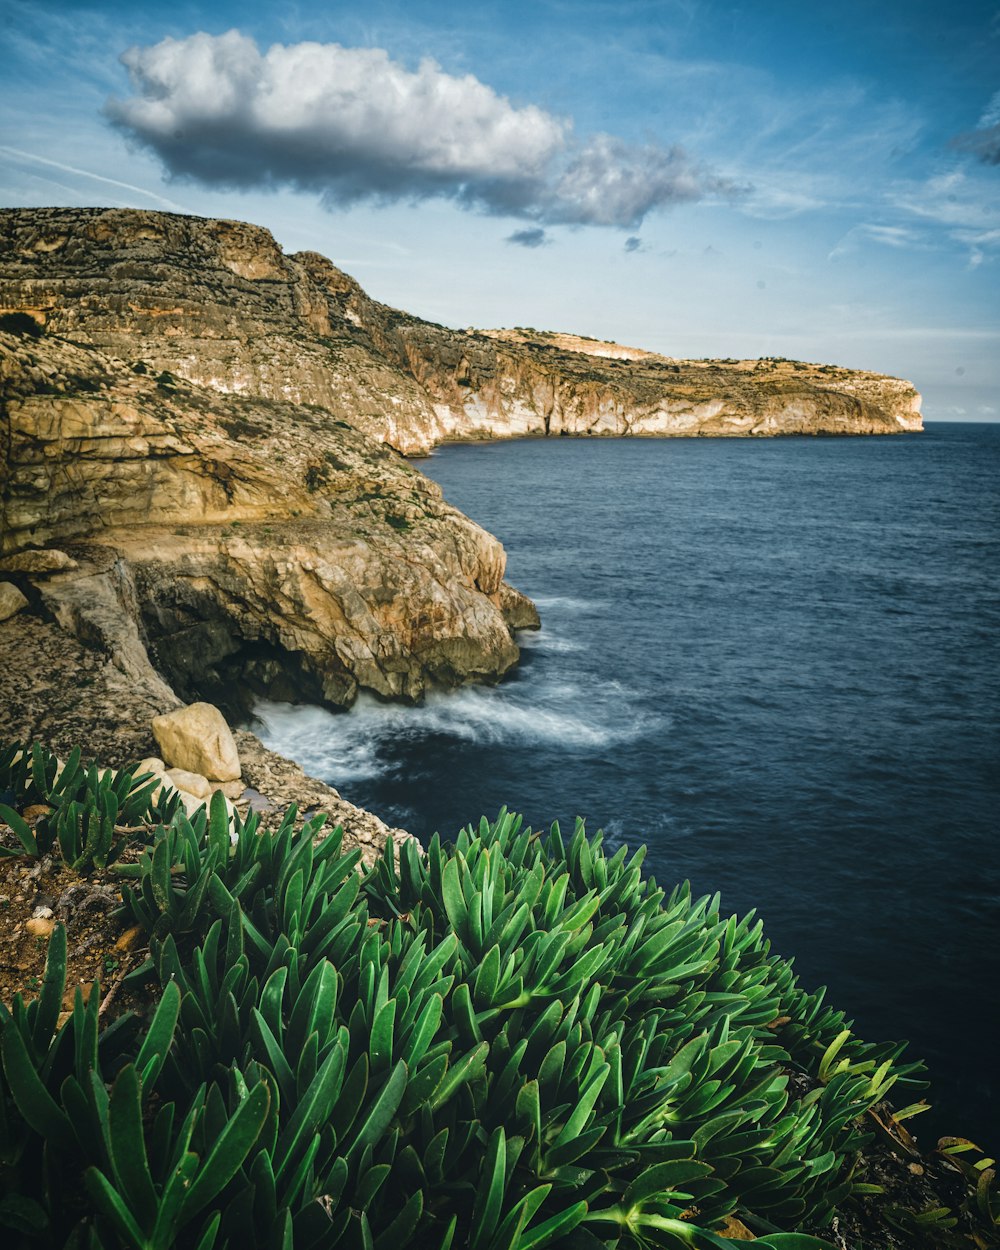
[(235, 544), (200, 468), (219, 304)]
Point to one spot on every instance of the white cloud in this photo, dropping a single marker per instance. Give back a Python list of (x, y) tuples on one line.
[(353, 125), (884, 236)]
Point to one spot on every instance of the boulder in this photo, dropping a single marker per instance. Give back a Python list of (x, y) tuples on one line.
[(231, 789), (190, 783), (11, 600), (197, 739)]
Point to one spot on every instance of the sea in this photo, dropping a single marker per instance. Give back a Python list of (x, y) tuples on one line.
[(776, 663)]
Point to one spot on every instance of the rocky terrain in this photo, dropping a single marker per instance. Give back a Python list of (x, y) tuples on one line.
[(219, 304), (242, 542), (203, 494), (202, 472)]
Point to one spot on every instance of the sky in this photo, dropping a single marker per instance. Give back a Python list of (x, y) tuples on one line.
[(693, 177)]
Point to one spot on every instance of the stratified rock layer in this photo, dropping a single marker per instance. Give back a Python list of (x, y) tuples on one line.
[(200, 469), (238, 539), (218, 303)]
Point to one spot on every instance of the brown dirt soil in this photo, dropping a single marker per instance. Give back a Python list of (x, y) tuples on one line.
[(35, 895)]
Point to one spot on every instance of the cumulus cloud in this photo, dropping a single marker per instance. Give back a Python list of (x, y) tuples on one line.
[(984, 141), (353, 125), (533, 236)]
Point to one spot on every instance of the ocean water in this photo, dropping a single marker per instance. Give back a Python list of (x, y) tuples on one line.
[(775, 662)]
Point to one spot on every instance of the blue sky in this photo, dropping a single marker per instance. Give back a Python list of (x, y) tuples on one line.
[(696, 178)]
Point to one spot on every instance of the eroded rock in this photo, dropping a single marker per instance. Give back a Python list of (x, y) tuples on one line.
[(38, 562), (251, 543)]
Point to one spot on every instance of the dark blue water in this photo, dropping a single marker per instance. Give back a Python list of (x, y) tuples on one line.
[(775, 662)]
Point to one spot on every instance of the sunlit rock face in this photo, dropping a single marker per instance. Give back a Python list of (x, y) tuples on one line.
[(240, 540), (219, 304), (213, 429)]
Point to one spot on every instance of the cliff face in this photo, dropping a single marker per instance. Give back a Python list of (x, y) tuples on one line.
[(212, 429), (219, 304), (245, 542)]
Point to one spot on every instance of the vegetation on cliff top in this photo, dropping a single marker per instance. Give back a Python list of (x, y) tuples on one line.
[(511, 1040)]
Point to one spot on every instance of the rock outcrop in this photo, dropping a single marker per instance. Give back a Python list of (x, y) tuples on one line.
[(239, 542), (200, 456), (219, 303)]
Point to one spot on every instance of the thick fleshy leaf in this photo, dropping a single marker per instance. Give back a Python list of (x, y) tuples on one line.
[(228, 1152)]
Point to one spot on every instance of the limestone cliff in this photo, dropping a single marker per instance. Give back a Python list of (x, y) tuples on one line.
[(245, 542), (219, 304), (212, 429)]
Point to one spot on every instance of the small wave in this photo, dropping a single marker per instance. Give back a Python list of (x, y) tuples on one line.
[(567, 603), (543, 640), (312, 736), (363, 743)]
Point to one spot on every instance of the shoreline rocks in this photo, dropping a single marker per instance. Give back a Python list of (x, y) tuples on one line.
[(64, 693), (202, 496)]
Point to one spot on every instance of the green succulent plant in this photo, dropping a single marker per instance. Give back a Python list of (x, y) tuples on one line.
[(509, 1042), (92, 813)]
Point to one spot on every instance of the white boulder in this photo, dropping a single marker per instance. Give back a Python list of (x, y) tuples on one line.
[(190, 783), (197, 739)]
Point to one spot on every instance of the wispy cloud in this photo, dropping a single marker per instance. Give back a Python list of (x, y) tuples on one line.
[(353, 125), (983, 245), (881, 235), (961, 201), (984, 141), (533, 236), (86, 173), (828, 147)]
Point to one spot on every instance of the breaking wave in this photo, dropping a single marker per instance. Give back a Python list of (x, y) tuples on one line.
[(365, 742)]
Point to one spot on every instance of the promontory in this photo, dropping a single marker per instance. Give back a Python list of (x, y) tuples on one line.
[(203, 449)]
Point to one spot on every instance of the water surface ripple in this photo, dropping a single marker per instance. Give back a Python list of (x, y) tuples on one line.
[(778, 664)]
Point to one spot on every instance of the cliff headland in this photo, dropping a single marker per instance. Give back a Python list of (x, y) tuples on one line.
[(202, 447), (204, 493)]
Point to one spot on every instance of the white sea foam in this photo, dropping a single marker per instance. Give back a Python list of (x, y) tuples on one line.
[(359, 744), (567, 604), (545, 640)]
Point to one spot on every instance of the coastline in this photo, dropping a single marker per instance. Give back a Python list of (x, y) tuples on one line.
[(63, 692)]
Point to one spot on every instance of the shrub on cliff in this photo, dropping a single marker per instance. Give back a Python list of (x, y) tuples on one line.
[(509, 1041), (21, 324), (89, 813)]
